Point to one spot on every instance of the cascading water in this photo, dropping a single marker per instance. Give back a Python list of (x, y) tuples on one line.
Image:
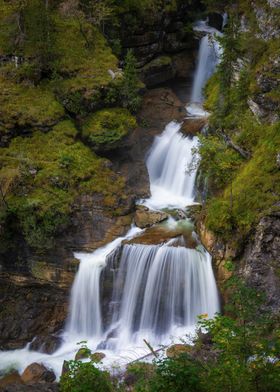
[(157, 290), (208, 58), (167, 164)]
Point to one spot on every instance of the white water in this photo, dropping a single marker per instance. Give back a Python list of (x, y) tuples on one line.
[(85, 315), (170, 183), (208, 59), (158, 290)]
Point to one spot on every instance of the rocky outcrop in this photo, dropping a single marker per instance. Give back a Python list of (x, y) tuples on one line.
[(260, 264), (156, 33), (145, 218), (257, 261), (29, 307)]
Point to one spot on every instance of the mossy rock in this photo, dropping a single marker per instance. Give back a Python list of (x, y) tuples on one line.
[(97, 357), (82, 353), (106, 129)]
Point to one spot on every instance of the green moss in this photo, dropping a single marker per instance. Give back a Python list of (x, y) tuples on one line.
[(26, 106), (44, 174), (83, 65), (106, 128)]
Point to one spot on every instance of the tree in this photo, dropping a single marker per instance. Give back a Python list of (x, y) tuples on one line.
[(129, 88)]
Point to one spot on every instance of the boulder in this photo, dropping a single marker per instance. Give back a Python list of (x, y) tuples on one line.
[(145, 218), (37, 372), (82, 353), (192, 126), (65, 367), (97, 357), (177, 349), (46, 344), (11, 378)]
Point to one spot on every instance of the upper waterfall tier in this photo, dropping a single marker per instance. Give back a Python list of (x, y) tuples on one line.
[(168, 162), (208, 58)]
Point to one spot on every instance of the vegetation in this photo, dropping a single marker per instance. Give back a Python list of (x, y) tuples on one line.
[(243, 182), (57, 68), (107, 127), (41, 176)]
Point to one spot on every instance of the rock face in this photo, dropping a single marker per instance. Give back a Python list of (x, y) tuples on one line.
[(29, 308), (261, 262), (257, 261), (145, 218), (156, 33)]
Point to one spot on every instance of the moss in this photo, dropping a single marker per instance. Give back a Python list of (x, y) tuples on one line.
[(25, 106), (52, 170), (255, 189), (84, 66), (106, 128)]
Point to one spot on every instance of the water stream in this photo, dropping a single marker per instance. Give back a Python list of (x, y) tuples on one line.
[(155, 292)]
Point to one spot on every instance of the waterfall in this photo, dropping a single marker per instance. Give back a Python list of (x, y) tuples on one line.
[(167, 163), (157, 289), (208, 58), (85, 314), (123, 294)]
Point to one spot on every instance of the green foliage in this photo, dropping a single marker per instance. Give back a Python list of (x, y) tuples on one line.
[(218, 162), (246, 345), (104, 129), (85, 377), (180, 374), (140, 374), (44, 174), (130, 85), (254, 190)]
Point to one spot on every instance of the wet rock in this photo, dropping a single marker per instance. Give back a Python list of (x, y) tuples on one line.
[(145, 218), (97, 357), (178, 349), (192, 126), (65, 367), (36, 372), (11, 378), (29, 308), (46, 344), (159, 107)]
